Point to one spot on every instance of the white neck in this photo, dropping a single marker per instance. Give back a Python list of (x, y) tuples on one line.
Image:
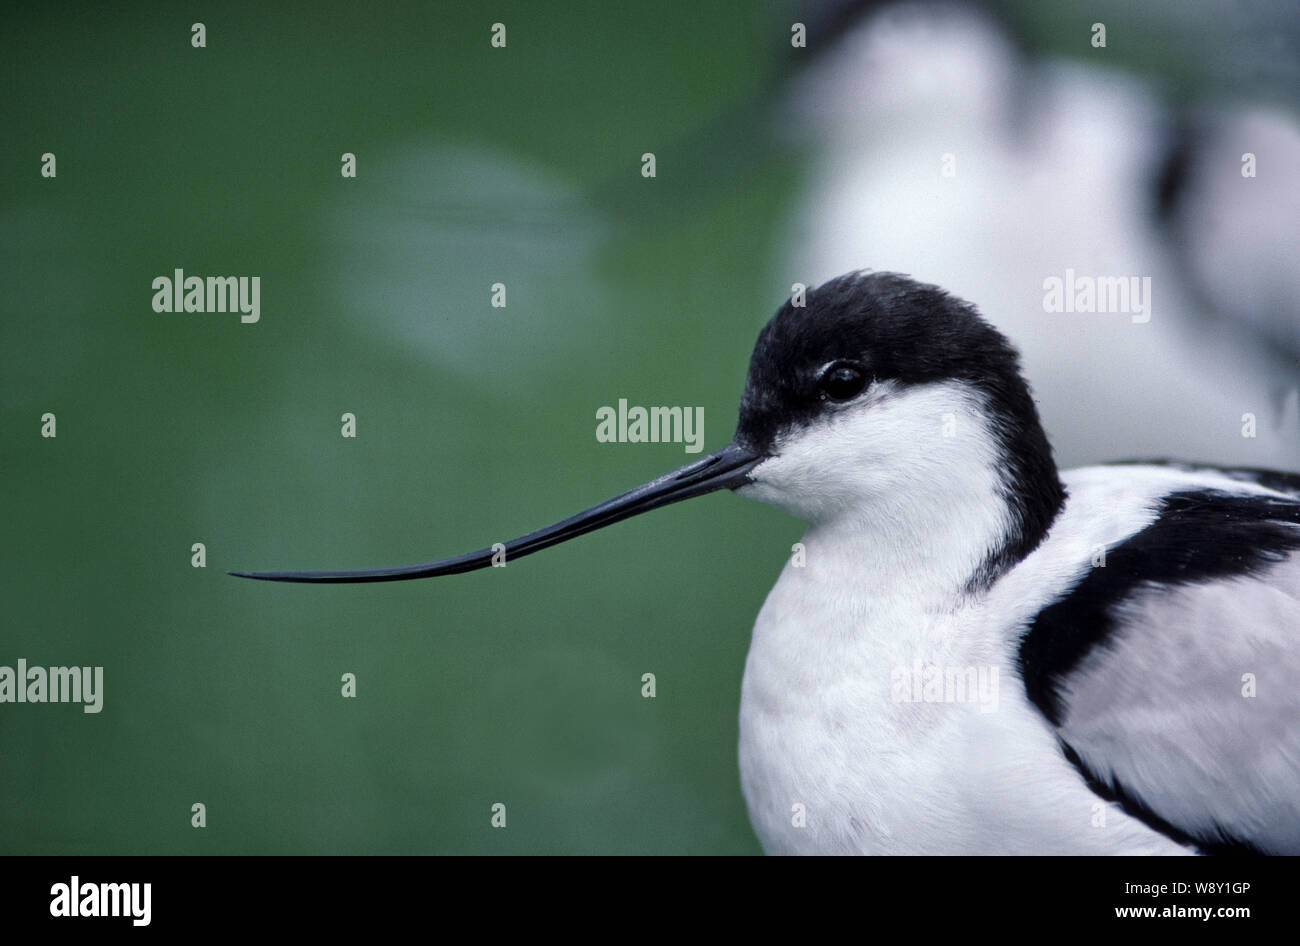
[(902, 493)]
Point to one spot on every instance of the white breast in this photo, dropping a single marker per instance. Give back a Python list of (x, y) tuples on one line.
[(840, 754)]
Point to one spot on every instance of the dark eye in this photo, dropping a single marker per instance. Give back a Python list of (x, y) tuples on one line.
[(842, 381)]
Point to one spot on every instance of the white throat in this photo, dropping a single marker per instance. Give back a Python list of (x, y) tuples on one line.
[(902, 490)]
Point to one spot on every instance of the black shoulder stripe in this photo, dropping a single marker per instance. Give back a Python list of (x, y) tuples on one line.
[(1198, 535), (1219, 842)]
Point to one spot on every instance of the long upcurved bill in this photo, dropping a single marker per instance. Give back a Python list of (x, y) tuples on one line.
[(726, 469)]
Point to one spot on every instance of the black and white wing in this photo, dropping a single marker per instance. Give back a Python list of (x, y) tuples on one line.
[(1172, 674)]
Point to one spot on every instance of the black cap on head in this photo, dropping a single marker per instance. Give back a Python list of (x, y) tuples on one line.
[(894, 328)]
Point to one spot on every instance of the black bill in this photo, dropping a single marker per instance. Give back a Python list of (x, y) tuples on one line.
[(726, 469)]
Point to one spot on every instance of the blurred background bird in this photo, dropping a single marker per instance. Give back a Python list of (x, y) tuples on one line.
[(1093, 158)]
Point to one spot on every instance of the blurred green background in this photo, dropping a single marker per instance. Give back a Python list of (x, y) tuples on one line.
[(475, 424)]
